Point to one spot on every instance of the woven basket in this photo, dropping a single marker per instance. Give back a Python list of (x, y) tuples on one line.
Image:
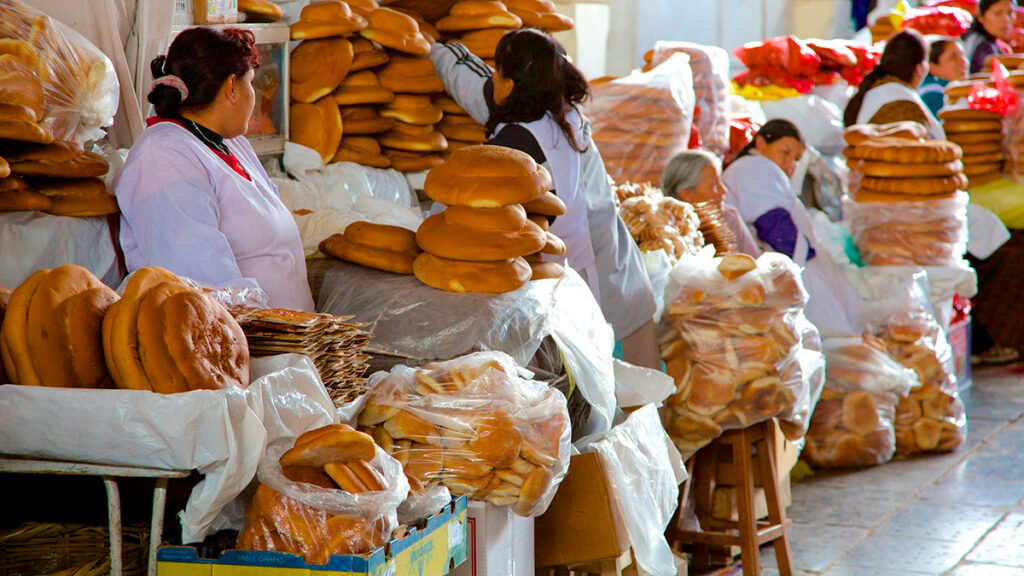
[(69, 550)]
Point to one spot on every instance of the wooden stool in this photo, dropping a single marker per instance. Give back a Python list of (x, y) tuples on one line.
[(749, 454)]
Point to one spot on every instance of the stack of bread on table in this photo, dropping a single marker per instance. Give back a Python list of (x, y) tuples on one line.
[(907, 206), (378, 246), (732, 350), (657, 222), (322, 464), (474, 425), (260, 11), (333, 343), (484, 240), (931, 418), (714, 229), (852, 423), (64, 328), (979, 135)]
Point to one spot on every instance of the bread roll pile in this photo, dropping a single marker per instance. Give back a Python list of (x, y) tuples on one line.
[(631, 190), (710, 67), (932, 417), (660, 223), (322, 462), (59, 178), (732, 351), (479, 25), (852, 424), (906, 207), (539, 14), (260, 11), (378, 246), (641, 121), (473, 425), (479, 242), (413, 144), (979, 135)]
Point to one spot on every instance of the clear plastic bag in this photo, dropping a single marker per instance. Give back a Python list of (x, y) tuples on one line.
[(1013, 135), (852, 423), (735, 349), (710, 67), (658, 222), (78, 85), (317, 522), (921, 233), (477, 425), (642, 120)]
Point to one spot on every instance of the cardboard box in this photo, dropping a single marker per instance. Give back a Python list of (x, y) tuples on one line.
[(500, 543), (435, 548), (583, 523)]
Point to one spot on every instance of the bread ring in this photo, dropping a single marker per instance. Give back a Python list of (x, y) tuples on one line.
[(890, 170), (906, 151), (383, 236), (974, 137), (459, 243), (957, 112), (509, 218), (955, 126), (926, 186), (973, 170), (976, 148), (978, 159)]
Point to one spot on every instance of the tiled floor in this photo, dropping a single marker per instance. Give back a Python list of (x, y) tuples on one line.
[(960, 514)]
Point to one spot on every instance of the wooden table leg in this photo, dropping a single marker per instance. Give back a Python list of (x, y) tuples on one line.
[(156, 526), (749, 553), (776, 513), (114, 521)]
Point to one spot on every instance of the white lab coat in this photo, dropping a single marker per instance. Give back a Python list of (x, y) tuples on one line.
[(884, 94), (757, 185), (184, 209)]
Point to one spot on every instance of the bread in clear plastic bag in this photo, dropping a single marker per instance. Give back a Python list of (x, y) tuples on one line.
[(926, 232), (642, 120), (734, 350), (658, 222), (301, 507), (852, 424), (475, 424), (67, 86)]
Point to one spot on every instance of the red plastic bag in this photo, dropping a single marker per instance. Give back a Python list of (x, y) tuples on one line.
[(834, 54), (787, 53), (1001, 98), (741, 131), (761, 77), (969, 5), (941, 20), (867, 58)]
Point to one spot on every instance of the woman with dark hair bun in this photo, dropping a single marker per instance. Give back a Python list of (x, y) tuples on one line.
[(194, 197), (531, 103), (992, 22), (889, 92)]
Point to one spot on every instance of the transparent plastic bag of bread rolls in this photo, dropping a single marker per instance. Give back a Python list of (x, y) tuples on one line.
[(736, 348), (79, 86), (657, 222), (317, 519), (477, 425), (640, 121), (710, 67)]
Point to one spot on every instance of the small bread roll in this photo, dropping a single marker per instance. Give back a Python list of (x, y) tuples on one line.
[(333, 445)]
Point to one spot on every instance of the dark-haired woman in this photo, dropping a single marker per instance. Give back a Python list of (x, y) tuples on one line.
[(946, 63), (530, 103), (992, 22), (194, 198), (889, 92), (757, 184)]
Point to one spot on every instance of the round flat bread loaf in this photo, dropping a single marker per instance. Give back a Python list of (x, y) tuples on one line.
[(981, 179), (416, 109), (340, 246), (361, 150), (509, 218), (977, 148), (367, 55), (383, 236), (961, 112), (413, 138), (325, 19), (397, 31), (974, 137), (361, 120), (478, 15), (462, 128), (487, 177), (972, 170), (362, 88), (156, 360), (890, 170), (207, 345), (494, 277), (957, 126), (317, 67), (923, 186), (545, 270), (859, 133), (317, 126), (905, 151), (547, 204), (460, 243), (413, 161), (868, 196), (987, 158)]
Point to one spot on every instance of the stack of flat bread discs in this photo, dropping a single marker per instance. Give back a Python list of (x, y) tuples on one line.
[(979, 134)]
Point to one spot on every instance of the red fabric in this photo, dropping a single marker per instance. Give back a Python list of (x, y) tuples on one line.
[(741, 131), (941, 20), (228, 159)]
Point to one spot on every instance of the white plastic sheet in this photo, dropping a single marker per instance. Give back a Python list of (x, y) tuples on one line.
[(32, 241), (820, 121), (638, 386), (413, 321), (645, 471), (220, 433)]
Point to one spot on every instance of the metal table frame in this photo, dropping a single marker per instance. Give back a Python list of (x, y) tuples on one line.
[(109, 475)]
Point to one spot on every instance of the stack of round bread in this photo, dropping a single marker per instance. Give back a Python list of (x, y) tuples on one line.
[(51, 334), (479, 25), (379, 246), (638, 126), (907, 208), (932, 417), (458, 127), (979, 135), (473, 425), (165, 336), (660, 223), (733, 348), (714, 229), (59, 178), (478, 242), (852, 424), (322, 461), (631, 190), (539, 14), (260, 11)]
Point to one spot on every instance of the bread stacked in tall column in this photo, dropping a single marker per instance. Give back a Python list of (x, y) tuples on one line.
[(979, 134), (478, 243)]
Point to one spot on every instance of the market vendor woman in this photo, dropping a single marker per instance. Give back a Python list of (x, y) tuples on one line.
[(530, 103), (194, 198), (993, 22)]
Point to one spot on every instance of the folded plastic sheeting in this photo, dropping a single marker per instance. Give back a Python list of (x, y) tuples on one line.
[(32, 241), (220, 433), (645, 471), (416, 322)]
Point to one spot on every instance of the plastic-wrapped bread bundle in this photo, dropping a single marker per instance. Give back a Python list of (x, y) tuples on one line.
[(1013, 141), (476, 425), (898, 232), (979, 135), (331, 492), (642, 120), (660, 223), (852, 424), (740, 349), (710, 66)]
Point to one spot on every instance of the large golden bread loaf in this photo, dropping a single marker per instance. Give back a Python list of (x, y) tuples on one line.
[(437, 236), (492, 277), (487, 177)]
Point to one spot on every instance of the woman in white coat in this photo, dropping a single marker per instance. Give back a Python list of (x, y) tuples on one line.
[(530, 103), (757, 183), (194, 198)]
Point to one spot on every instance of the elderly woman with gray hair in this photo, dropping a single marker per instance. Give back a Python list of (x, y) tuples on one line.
[(696, 176)]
